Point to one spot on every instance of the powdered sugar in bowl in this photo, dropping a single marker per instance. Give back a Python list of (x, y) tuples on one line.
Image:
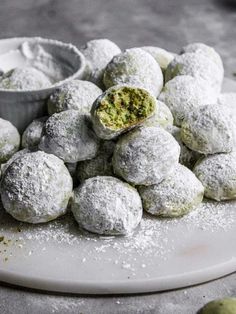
[(56, 62)]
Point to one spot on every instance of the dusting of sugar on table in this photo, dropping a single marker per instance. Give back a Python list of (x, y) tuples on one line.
[(150, 239)]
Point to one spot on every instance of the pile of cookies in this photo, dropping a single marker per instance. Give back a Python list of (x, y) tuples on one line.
[(145, 129)]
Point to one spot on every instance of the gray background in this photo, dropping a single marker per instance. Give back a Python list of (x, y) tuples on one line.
[(169, 24)]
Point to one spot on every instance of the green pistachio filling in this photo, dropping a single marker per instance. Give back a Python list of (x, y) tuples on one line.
[(125, 106)]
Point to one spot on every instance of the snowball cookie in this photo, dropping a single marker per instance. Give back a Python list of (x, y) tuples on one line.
[(198, 66), (33, 133), (134, 67), (78, 95), (217, 174), (162, 56), (146, 155), (228, 100), (184, 93), (187, 157), (106, 205), (121, 108), (162, 116), (24, 79), (175, 196), (36, 187), (98, 53), (14, 157), (9, 140), (206, 50), (221, 306), (101, 165), (68, 136), (208, 130)]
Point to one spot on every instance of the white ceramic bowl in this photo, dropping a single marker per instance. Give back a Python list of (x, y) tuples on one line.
[(21, 107)]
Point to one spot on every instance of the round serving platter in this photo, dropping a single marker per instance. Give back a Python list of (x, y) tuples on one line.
[(161, 254)]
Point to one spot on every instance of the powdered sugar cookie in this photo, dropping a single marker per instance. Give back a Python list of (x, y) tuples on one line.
[(106, 205), (146, 155)]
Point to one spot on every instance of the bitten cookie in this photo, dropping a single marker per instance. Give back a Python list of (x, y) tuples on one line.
[(120, 109)]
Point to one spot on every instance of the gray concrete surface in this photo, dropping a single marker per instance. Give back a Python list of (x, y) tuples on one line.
[(169, 24), (183, 301)]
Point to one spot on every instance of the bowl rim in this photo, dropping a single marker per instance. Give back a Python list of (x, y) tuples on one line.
[(54, 42)]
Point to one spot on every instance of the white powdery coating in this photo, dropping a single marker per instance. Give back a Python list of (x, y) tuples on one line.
[(206, 50), (36, 188), (98, 53), (33, 133), (134, 67), (9, 140), (184, 93), (78, 95), (198, 66), (101, 165), (175, 196), (27, 78), (187, 157), (68, 136), (146, 155), (162, 116), (217, 174), (208, 130), (106, 205), (228, 100), (13, 158), (162, 56)]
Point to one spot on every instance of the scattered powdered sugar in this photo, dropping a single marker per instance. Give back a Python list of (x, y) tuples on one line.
[(151, 237), (212, 216)]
